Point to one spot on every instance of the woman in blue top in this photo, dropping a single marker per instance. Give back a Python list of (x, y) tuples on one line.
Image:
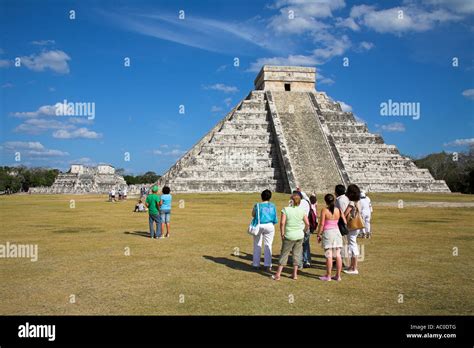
[(165, 210), (268, 218)]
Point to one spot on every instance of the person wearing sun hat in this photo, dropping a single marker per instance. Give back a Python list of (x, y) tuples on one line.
[(152, 203)]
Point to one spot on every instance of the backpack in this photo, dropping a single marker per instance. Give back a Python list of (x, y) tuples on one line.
[(313, 220)]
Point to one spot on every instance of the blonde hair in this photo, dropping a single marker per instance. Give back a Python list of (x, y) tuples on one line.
[(296, 199)]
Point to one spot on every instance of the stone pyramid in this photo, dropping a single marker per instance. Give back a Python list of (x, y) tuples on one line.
[(284, 135)]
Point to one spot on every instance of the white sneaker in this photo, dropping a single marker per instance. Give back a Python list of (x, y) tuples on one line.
[(351, 272)]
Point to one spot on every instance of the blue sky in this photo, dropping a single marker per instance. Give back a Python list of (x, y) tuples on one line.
[(398, 50)]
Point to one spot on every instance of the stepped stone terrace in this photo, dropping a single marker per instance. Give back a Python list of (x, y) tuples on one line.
[(284, 135)]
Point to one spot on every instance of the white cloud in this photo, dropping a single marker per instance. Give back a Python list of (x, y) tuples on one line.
[(348, 22), (221, 68), (216, 109), (45, 110), (321, 79), (213, 35), (83, 160), (330, 47), (296, 60), (345, 107), (391, 127), (47, 153), (222, 88), (43, 42), (325, 80), (77, 133), (40, 121), (4, 63), (171, 153), (366, 46), (31, 149), (460, 142), (458, 6), (39, 125), (360, 10), (54, 60), (401, 19), (314, 8), (7, 85), (228, 101), (281, 24), (333, 46), (469, 93), (32, 145), (79, 120)]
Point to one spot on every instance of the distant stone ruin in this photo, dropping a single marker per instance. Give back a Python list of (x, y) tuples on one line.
[(81, 179), (284, 135)]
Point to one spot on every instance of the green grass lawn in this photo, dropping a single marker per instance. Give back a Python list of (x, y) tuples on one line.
[(82, 252)]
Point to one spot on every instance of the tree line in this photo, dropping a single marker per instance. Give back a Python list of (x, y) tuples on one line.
[(20, 179), (457, 169), (147, 178)]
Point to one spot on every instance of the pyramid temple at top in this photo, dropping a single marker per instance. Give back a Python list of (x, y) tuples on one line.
[(284, 135)]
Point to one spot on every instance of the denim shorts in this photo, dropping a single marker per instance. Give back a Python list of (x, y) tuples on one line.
[(165, 215)]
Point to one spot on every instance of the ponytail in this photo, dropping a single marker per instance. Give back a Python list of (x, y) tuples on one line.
[(330, 202), (331, 207)]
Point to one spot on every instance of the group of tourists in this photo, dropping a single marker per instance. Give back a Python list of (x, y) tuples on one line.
[(159, 212), (121, 193), (345, 217)]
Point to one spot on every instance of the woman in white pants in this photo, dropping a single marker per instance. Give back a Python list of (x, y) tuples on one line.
[(268, 218), (353, 193)]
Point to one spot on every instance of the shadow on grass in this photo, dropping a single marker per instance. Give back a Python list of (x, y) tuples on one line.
[(235, 263), (243, 262), (317, 256), (139, 233)]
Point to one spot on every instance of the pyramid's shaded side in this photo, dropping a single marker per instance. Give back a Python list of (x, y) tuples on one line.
[(286, 135), (238, 155)]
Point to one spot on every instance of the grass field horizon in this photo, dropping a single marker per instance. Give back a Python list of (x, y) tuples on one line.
[(205, 267)]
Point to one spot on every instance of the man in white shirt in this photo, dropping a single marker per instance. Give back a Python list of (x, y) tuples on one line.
[(366, 212), (341, 199)]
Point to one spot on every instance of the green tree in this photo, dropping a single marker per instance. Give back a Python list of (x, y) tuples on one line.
[(457, 171)]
